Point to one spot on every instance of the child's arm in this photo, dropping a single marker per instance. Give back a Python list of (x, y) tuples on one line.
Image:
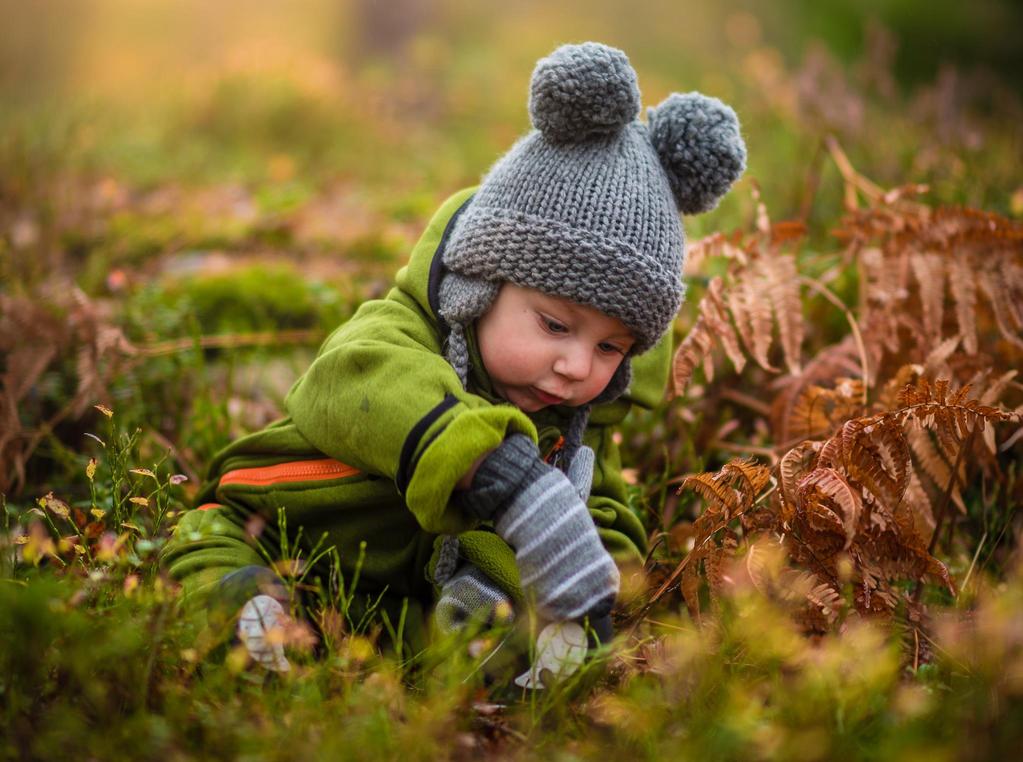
[(380, 396)]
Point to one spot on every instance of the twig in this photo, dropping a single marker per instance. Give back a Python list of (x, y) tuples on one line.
[(853, 179), (744, 449), (973, 563), (501, 728), (746, 400)]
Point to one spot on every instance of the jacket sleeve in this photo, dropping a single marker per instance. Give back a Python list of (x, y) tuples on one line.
[(381, 396)]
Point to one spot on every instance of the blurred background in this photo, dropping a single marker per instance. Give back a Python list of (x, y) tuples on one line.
[(379, 109), (188, 168)]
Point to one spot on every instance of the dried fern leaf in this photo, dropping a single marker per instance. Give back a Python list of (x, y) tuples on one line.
[(719, 496), (828, 483), (936, 362), (809, 418), (932, 463), (929, 270), (890, 396), (782, 279), (962, 281), (691, 352), (752, 478), (713, 307), (793, 466), (1006, 315), (916, 503)]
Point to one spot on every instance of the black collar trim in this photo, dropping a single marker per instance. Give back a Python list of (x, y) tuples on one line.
[(438, 269)]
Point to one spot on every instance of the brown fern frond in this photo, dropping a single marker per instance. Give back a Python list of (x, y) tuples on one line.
[(932, 463), (936, 362), (691, 352), (787, 231), (751, 477), (717, 560), (715, 245), (827, 367), (809, 418), (964, 295), (818, 411), (782, 281), (720, 497), (713, 308), (752, 316), (828, 484), (879, 461), (890, 439), (929, 270), (1006, 312), (916, 503), (825, 601), (724, 503), (890, 396), (993, 393), (793, 465)]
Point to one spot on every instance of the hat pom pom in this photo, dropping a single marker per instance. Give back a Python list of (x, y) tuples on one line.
[(581, 92), (697, 139)]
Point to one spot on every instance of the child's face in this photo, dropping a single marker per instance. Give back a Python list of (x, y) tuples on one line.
[(542, 350)]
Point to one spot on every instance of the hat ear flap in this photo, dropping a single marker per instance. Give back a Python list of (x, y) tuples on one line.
[(618, 385), (701, 150)]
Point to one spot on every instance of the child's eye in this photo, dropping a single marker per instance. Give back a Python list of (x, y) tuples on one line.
[(608, 348), (553, 325)]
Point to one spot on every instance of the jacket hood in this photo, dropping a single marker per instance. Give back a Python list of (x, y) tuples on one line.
[(421, 277)]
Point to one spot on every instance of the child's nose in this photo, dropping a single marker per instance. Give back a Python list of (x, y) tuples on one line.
[(574, 362)]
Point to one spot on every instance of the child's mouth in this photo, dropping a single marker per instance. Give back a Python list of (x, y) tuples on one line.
[(545, 398)]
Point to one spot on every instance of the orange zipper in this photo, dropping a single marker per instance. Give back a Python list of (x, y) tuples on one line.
[(293, 471), (555, 449)]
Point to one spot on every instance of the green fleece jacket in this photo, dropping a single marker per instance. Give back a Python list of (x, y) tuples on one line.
[(379, 431)]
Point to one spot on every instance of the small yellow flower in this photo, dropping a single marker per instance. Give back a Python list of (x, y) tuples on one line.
[(98, 513), (143, 501), (90, 470), (105, 410), (142, 472)]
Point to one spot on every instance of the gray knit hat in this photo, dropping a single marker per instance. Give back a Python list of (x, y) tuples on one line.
[(586, 206)]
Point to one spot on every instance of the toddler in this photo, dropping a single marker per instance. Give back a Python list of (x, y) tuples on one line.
[(461, 427)]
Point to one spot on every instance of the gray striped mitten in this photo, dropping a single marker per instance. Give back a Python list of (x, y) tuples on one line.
[(538, 511), (469, 595)]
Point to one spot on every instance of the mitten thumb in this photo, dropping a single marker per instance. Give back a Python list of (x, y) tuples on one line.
[(580, 471)]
